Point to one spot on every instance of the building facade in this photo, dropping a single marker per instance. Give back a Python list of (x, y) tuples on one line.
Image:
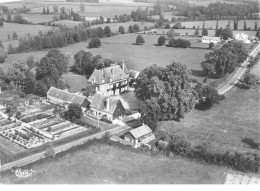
[(209, 39), (111, 80)]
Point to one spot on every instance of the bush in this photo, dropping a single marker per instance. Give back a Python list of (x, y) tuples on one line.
[(211, 45), (167, 26), (121, 30), (19, 19), (245, 162), (179, 43), (2, 58), (22, 95), (161, 40), (94, 43), (139, 39), (250, 79), (251, 143)]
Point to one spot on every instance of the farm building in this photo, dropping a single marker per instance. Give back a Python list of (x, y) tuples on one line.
[(63, 97), (209, 39), (142, 134), (243, 37), (111, 80), (106, 107)]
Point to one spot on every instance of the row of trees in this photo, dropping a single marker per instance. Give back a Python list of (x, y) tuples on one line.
[(224, 60), (60, 38)]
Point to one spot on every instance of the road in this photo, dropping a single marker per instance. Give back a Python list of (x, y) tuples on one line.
[(241, 70), (58, 149)]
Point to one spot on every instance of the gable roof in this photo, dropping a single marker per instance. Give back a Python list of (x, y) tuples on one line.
[(134, 74), (68, 97), (99, 102), (140, 131), (107, 75)]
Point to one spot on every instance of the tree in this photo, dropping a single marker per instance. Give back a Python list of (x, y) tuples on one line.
[(167, 26), (217, 25), (211, 44), (245, 27), (1, 23), (121, 30), (107, 31), (166, 93), (250, 79), (11, 49), (48, 10), (136, 28), (94, 43), (83, 63), (43, 11), (74, 112), (204, 32), (139, 39), (197, 32), (15, 36), (101, 20), (258, 34), (30, 62), (161, 40), (82, 7), (207, 96), (19, 19), (255, 26), (170, 34), (130, 29), (53, 57), (219, 32), (56, 9), (227, 33), (9, 18), (50, 152), (177, 25), (108, 20), (30, 84)]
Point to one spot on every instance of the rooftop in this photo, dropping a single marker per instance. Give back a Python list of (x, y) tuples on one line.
[(140, 131)]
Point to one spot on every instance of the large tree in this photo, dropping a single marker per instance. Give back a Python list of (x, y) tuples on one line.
[(161, 40), (74, 112), (139, 39), (166, 93), (107, 31)]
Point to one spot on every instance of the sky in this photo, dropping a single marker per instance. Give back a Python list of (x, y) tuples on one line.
[(4, 1)]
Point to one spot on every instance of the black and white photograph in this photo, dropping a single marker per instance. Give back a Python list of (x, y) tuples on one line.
[(129, 92)]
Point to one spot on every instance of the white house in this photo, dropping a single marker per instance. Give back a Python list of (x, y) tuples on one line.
[(209, 39), (243, 37)]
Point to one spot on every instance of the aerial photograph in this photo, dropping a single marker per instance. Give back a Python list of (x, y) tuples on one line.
[(129, 92)]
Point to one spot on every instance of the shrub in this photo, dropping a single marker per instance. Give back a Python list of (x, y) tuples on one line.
[(211, 45), (121, 30), (161, 40), (139, 39), (251, 143), (94, 43), (250, 79), (19, 19), (167, 26), (2, 58), (22, 95), (179, 43)]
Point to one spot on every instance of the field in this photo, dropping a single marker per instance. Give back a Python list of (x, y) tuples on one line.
[(88, 166), (223, 126), (136, 57), (21, 30)]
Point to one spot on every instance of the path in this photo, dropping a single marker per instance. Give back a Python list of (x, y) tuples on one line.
[(58, 149), (242, 69)]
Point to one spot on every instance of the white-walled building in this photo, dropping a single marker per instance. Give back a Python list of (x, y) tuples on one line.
[(209, 39)]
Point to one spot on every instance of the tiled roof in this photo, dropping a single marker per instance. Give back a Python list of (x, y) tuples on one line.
[(133, 73), (106, 75), (140, 131), (99, 102), (67, 96)]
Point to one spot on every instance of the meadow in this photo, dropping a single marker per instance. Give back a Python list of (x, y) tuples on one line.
[(137, 57), (222, 127), (21, 30), (87, 166)]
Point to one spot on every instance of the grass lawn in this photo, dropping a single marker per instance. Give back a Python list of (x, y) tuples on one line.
[(75, 82), (223, 126), (21, 30), (104, 164)]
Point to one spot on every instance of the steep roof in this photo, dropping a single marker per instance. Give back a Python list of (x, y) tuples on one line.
[(107, 75), (67, 96), (140, 131), (100, 102), (134, 74)]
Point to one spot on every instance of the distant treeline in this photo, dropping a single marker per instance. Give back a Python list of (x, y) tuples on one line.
[(88, 1)]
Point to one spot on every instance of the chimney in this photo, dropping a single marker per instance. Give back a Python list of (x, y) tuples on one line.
[(123, 65)]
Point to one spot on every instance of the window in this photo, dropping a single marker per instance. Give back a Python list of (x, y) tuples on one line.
[(117, 84)]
